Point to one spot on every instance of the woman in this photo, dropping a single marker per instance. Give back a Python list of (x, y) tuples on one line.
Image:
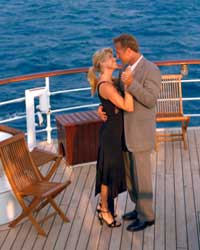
[(110, 175)]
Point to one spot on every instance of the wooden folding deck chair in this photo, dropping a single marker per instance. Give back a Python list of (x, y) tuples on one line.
[(42, 157), (26, 181), (170, 109), (39, 156)]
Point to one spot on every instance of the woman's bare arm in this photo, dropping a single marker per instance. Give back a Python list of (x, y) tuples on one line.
[(109, 92)]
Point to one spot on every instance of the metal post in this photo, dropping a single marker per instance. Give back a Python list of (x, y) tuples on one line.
[(30, 120), (48, 114)]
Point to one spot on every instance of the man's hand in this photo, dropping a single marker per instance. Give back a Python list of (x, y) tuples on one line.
[(127, 76), (101, 113)]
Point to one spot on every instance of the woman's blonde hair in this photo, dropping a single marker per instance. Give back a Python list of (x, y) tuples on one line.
[(98, 57)]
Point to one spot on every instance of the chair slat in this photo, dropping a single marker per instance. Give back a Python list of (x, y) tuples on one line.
[(39, 156)]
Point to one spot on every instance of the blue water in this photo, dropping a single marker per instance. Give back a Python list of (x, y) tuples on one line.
[(40, 36)]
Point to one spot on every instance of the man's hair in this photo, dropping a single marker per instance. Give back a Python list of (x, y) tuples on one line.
[(127, 41)]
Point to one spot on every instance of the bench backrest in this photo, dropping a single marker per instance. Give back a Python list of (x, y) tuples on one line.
[(169, 102)]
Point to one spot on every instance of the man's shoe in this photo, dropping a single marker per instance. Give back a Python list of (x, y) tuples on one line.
[(138, 225), (130, 215)]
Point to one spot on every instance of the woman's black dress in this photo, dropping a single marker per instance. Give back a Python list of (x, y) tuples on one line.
[(110, 165)]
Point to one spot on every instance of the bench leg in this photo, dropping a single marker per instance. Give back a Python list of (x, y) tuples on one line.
[(156, 142), (184, 133)]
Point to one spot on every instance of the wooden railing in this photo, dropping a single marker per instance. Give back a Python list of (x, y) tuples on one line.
[(84, 70)]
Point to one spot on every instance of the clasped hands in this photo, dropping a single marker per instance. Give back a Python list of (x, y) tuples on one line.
[(127, 76)]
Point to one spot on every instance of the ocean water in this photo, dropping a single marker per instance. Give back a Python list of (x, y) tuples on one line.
[(40, 36)]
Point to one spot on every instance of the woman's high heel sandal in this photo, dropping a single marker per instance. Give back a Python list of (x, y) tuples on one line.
[(114, 223), (99, 210)]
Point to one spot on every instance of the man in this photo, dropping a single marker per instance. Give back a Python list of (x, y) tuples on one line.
[(143, 80)]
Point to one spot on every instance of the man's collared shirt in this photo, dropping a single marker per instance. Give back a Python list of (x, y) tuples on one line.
[(133, 66)]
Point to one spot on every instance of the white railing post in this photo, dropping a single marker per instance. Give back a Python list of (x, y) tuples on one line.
[(30, 119), (43, 107), (48, 128)]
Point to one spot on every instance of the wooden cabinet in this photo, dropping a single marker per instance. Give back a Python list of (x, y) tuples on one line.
[(78, 136)]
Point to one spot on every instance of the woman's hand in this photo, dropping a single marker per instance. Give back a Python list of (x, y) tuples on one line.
[(102, 115)]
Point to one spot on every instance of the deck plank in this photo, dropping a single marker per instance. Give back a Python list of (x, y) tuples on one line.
[(181, 236), (56, 220), (116, 234), (36, 240), (66, 227), (64, 204), (160, 200), (196, 179), (10, 239), (170, 225), (176, 185), (81, 211), (192, 234), (95, 232), (149, 233), (126, 240), (88, 222), (3, 236)]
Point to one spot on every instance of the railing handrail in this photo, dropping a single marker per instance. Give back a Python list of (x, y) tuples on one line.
[(43, 75), (177, 62), (84, 70)]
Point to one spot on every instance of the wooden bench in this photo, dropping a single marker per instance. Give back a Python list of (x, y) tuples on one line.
[(78, 136), (169, 108)]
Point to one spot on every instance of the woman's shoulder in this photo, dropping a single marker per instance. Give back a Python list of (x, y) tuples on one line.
[(105, 85), (106, 89), (102, 82)]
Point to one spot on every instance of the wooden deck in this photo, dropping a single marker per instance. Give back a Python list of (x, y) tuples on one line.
[(176, 178)]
